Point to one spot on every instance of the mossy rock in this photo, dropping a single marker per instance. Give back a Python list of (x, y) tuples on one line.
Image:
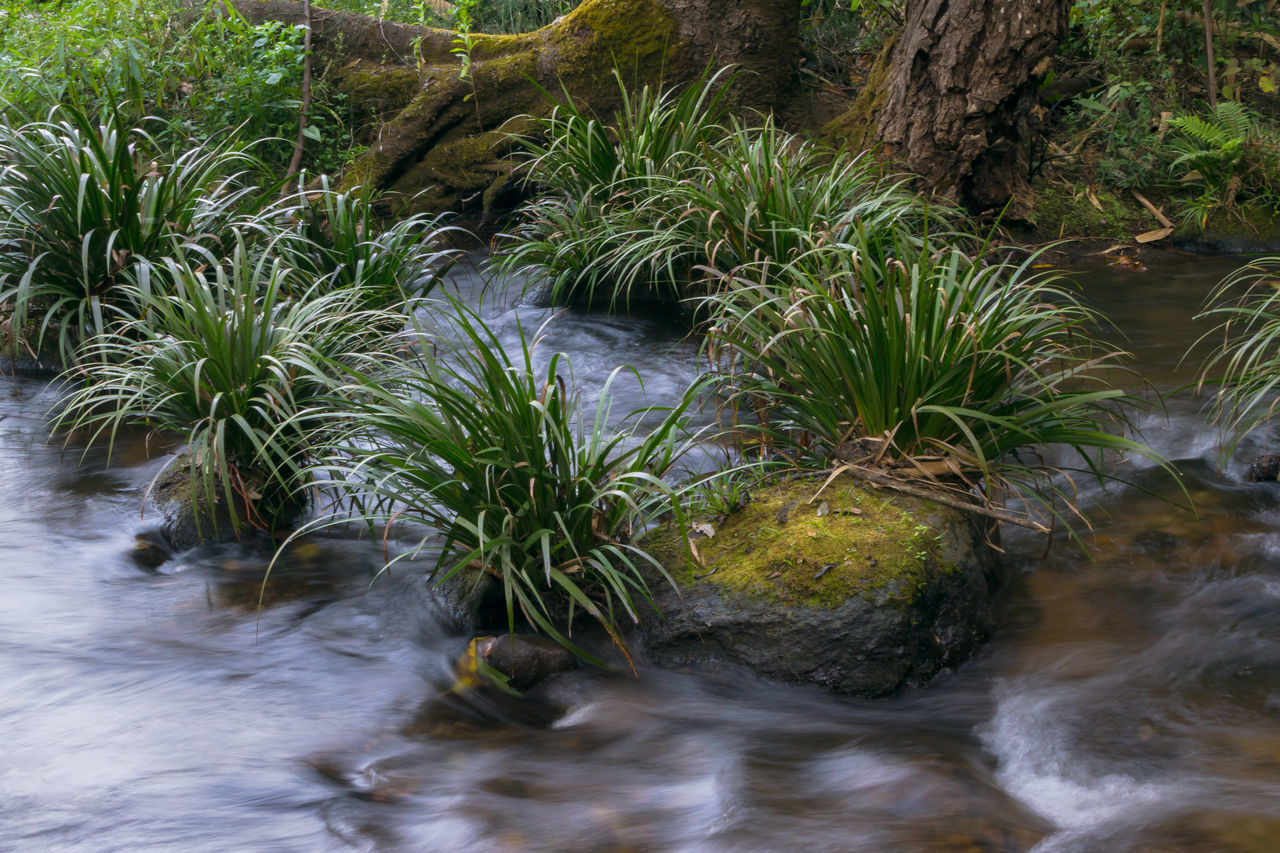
[(859, 590), (1246, 231), (1065, 212), (191, 519), (22, 351)]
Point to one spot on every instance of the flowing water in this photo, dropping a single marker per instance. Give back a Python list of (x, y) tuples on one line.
[(1130, 701)]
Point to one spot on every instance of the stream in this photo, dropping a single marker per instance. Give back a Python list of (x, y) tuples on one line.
[(1130, 700)]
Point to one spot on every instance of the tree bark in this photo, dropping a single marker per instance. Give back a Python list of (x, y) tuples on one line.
[(955, 95), (443, 139)]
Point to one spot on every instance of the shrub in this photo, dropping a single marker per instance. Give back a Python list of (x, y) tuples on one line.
[(96, 53), (934, 367), (201, 73), (486, 16), (494, 453), (248, 78), (222, 356), (84, 204)]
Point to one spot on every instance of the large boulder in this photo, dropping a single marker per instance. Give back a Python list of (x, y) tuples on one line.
[(861, 591)]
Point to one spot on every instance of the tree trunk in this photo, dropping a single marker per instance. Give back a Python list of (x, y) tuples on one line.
[(955, 95), (443, 138)]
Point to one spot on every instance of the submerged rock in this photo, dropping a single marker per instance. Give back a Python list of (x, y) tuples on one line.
[(1264, 469), (151, 550), (861, 591)]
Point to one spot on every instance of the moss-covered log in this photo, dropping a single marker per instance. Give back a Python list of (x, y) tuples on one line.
[(444, 137)]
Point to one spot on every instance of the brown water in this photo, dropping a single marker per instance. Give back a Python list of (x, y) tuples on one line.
[(1131, 701)]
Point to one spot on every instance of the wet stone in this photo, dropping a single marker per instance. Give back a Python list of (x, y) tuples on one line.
[(525, 659), (1264, 469), (150, 550), (877, 593)]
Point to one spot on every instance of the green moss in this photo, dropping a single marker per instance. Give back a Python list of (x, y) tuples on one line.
[(1246, 229), (855, 128), (641, 37), (464, 157), (1064, 211), (792, 546), (379, 90), (463, 166)]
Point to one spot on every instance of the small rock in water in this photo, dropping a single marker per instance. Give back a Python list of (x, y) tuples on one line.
[(525, 659), (150, 550), (1265, 469)]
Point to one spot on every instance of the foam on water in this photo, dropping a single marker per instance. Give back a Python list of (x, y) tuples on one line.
[(1040, 765)]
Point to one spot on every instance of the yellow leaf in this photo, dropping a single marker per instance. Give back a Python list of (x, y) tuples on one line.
[(1152, 236)]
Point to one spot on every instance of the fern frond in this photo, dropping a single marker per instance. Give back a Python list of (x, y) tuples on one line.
[(1237, 120), (1207, 133)]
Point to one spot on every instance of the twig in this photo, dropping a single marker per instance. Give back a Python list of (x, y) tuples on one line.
[(878, 479), (1209, 58), (1164, 5), (1236, 29), (304, 110), (1155, 211)]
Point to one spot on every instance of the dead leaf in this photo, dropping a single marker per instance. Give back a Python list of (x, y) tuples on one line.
[(1093, 199), (703, 527), (1152, 236)]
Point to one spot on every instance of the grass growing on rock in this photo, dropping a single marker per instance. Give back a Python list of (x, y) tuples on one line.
[(496, 452)]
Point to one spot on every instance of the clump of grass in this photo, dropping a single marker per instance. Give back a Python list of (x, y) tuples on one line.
[(1245, 361), (220, 354), (931, 367), (333, 236), (495, 453), (84, 204), (765, 199), (677, 196), (605, 229)]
